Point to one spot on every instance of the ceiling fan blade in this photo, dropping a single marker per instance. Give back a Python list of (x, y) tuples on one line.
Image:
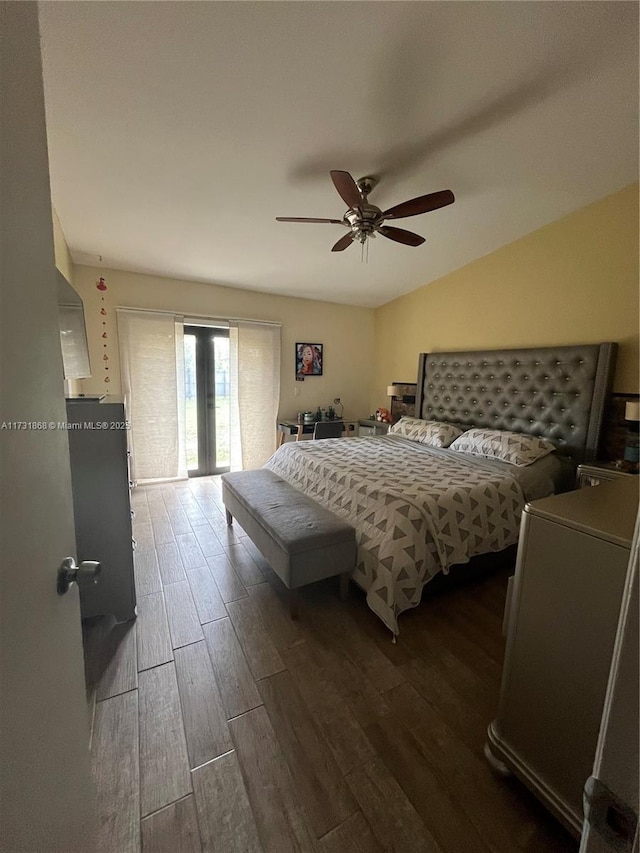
[(343, 243), (401, 236), (307, 219), (422, 204), (346, 187)]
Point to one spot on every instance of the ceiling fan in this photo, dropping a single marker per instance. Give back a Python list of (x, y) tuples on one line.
[(365, 220)]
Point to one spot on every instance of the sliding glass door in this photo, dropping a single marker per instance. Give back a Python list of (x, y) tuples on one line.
[(207, 398)]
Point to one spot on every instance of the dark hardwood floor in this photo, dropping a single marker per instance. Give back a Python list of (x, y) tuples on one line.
[(221, 725)]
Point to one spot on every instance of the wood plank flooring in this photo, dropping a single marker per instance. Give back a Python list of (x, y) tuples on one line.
[(221, 725)]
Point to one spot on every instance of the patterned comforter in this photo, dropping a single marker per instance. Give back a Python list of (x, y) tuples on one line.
[(416, 510)]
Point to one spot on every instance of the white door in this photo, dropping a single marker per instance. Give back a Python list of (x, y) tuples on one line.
[(45, 782)]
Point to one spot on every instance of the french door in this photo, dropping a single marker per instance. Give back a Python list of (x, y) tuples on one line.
[(207, 399)]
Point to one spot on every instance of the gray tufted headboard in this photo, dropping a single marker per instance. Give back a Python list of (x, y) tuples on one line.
[(555, 392)]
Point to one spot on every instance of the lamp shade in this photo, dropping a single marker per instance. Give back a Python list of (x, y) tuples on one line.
[(392, 391), (632, 411)]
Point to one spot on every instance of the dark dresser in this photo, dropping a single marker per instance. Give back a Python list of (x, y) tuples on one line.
[(101, 504)]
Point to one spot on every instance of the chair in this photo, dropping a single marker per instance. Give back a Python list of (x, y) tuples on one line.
[(328, 429)]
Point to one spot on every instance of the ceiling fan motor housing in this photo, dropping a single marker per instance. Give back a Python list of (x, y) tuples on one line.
[(364, 220)]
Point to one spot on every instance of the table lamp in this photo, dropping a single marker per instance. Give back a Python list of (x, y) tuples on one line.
[(392, 392)]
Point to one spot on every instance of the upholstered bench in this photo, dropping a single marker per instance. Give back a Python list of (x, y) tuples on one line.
[(301, 540)]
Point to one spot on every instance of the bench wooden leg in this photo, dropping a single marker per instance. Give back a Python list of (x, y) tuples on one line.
[(293, 603), (229, 518), (344, 585)]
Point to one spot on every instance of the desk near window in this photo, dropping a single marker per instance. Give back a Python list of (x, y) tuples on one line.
[(299, 429)]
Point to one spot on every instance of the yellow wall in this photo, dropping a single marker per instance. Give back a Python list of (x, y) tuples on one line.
[(573, 281), (345, 331), (62, 254)]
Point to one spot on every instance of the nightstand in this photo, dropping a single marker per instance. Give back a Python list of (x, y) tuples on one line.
[(598, 472), (371, 427)]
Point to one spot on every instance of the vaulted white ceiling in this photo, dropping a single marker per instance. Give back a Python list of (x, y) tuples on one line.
[(178, 131)]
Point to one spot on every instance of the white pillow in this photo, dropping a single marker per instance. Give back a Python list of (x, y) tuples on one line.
[(513, 447), (434, 433)]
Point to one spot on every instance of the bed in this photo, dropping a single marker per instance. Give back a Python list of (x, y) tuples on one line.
[(419, 509)]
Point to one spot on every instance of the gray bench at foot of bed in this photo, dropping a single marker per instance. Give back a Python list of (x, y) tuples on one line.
[(301, 540)]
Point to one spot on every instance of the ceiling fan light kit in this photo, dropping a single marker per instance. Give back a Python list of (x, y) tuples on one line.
[(365, 220)]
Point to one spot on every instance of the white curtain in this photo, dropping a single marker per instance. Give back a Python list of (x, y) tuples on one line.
[(254, 355), (152, 370)]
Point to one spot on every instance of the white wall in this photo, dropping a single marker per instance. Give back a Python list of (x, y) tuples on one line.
[(345, 331), (64, 262)]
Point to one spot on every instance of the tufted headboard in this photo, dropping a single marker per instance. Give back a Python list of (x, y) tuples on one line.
[(555, 392)]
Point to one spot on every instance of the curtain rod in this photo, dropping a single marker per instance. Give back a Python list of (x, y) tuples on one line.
[(190, 315)]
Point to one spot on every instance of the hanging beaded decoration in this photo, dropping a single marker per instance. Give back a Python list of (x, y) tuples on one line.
[(102, 287)]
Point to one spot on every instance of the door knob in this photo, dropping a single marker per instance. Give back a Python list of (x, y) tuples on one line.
[(68, 573)]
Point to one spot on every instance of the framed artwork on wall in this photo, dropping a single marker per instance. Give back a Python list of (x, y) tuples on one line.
[(308, 359)]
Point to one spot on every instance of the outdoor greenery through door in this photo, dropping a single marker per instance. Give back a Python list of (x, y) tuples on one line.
[(207, 399)]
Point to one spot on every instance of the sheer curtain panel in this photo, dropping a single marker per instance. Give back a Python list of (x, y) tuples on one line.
[(254, 354), (152, 371)]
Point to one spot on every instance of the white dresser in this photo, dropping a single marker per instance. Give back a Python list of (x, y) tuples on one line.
[(561, 625)]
